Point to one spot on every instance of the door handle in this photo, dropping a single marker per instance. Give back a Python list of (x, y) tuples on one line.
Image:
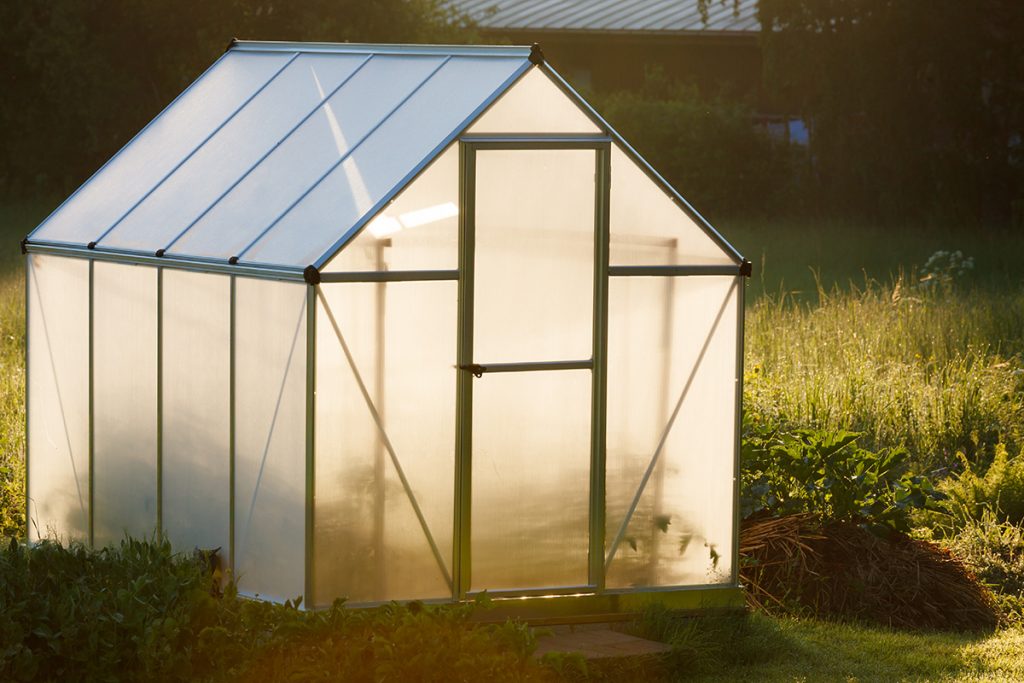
[(477, 369)]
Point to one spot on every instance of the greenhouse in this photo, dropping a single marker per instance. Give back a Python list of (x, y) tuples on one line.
[(384, 322)]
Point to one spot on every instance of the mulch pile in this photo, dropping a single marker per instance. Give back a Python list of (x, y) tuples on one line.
[(842, 570)]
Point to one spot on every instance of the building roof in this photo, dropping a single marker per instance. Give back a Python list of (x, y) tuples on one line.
[(279, 152), (620, 16)]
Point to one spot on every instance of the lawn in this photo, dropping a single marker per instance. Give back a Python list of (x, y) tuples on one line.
[(836, 338)]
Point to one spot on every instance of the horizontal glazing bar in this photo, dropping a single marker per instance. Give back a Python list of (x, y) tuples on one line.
[(537, 141), (390, 276), (479, 369), (669, 271), (178, 263)]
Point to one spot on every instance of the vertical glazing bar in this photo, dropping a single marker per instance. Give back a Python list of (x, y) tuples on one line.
[(308, 576), (740, 290), (159, 402), (379, 472), (464, 381), (231, 431), (599, 389), (92, 404), (28, 502)]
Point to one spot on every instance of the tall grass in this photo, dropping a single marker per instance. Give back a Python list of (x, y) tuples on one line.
[(938, 370)]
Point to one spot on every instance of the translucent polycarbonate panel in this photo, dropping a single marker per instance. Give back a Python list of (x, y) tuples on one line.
[(535, 104), (58, 398), (404, 140), (671, 349), (270, 437), (196, 474), (184, 195), (370, 545), (531, 479), (291, 169), (418, 230), (648, 227), (124, 401), (152, 154), (534, 268)]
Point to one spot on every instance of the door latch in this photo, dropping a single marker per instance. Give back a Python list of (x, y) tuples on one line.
[(477, 369)]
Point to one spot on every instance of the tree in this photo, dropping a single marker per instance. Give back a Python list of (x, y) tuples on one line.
[(916, 107)]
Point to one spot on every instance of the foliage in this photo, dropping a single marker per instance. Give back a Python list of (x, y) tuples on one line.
[(139, 612), (946, 268), (706, 147), (994, 549), (81, 76), (998, 493), (916, 108), (829, 476)]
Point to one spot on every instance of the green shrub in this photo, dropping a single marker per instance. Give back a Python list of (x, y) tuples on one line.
[(828, 475), (139, 612), (706, 147)]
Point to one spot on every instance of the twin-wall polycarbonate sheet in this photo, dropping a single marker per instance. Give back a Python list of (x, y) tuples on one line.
[(671, 429), (405, 138), (58, 398), (181, 198), (534, 105), (385, 410), (270, 437), (419, 230), (196, 474), (125, 403), (167, 141)]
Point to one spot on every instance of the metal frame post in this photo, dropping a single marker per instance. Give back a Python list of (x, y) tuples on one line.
[(599, 377), (28, 500), (92, 403), (461, 564), (738, 431), (308, 574), (231, 428), (159, 402)]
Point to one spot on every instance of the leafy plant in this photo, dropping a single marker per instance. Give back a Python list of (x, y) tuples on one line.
[(999, 492), (828, 475)]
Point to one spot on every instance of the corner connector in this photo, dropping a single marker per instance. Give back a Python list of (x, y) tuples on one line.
[(311, 275), (536, 54), (91, 245), (233, 260), (160, 252), (24, 246), (231, 44), (746, 268)]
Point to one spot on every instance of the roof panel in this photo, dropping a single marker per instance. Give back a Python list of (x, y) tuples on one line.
[(182, 197), (378, 167), (287, 173), (159, 147)]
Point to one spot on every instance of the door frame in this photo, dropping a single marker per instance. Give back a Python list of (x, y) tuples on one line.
[(469, 145)]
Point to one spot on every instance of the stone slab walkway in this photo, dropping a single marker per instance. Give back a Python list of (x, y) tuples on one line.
[(597, 641)]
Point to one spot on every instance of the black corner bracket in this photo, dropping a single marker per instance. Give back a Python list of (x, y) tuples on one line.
[(231, 44), (536, 54), (746, 268), (160, 252), (24, 246), (91, 245), (233, 260), (311, 275)]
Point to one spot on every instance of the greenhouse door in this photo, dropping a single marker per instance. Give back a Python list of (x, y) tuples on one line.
[(530, 282)]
